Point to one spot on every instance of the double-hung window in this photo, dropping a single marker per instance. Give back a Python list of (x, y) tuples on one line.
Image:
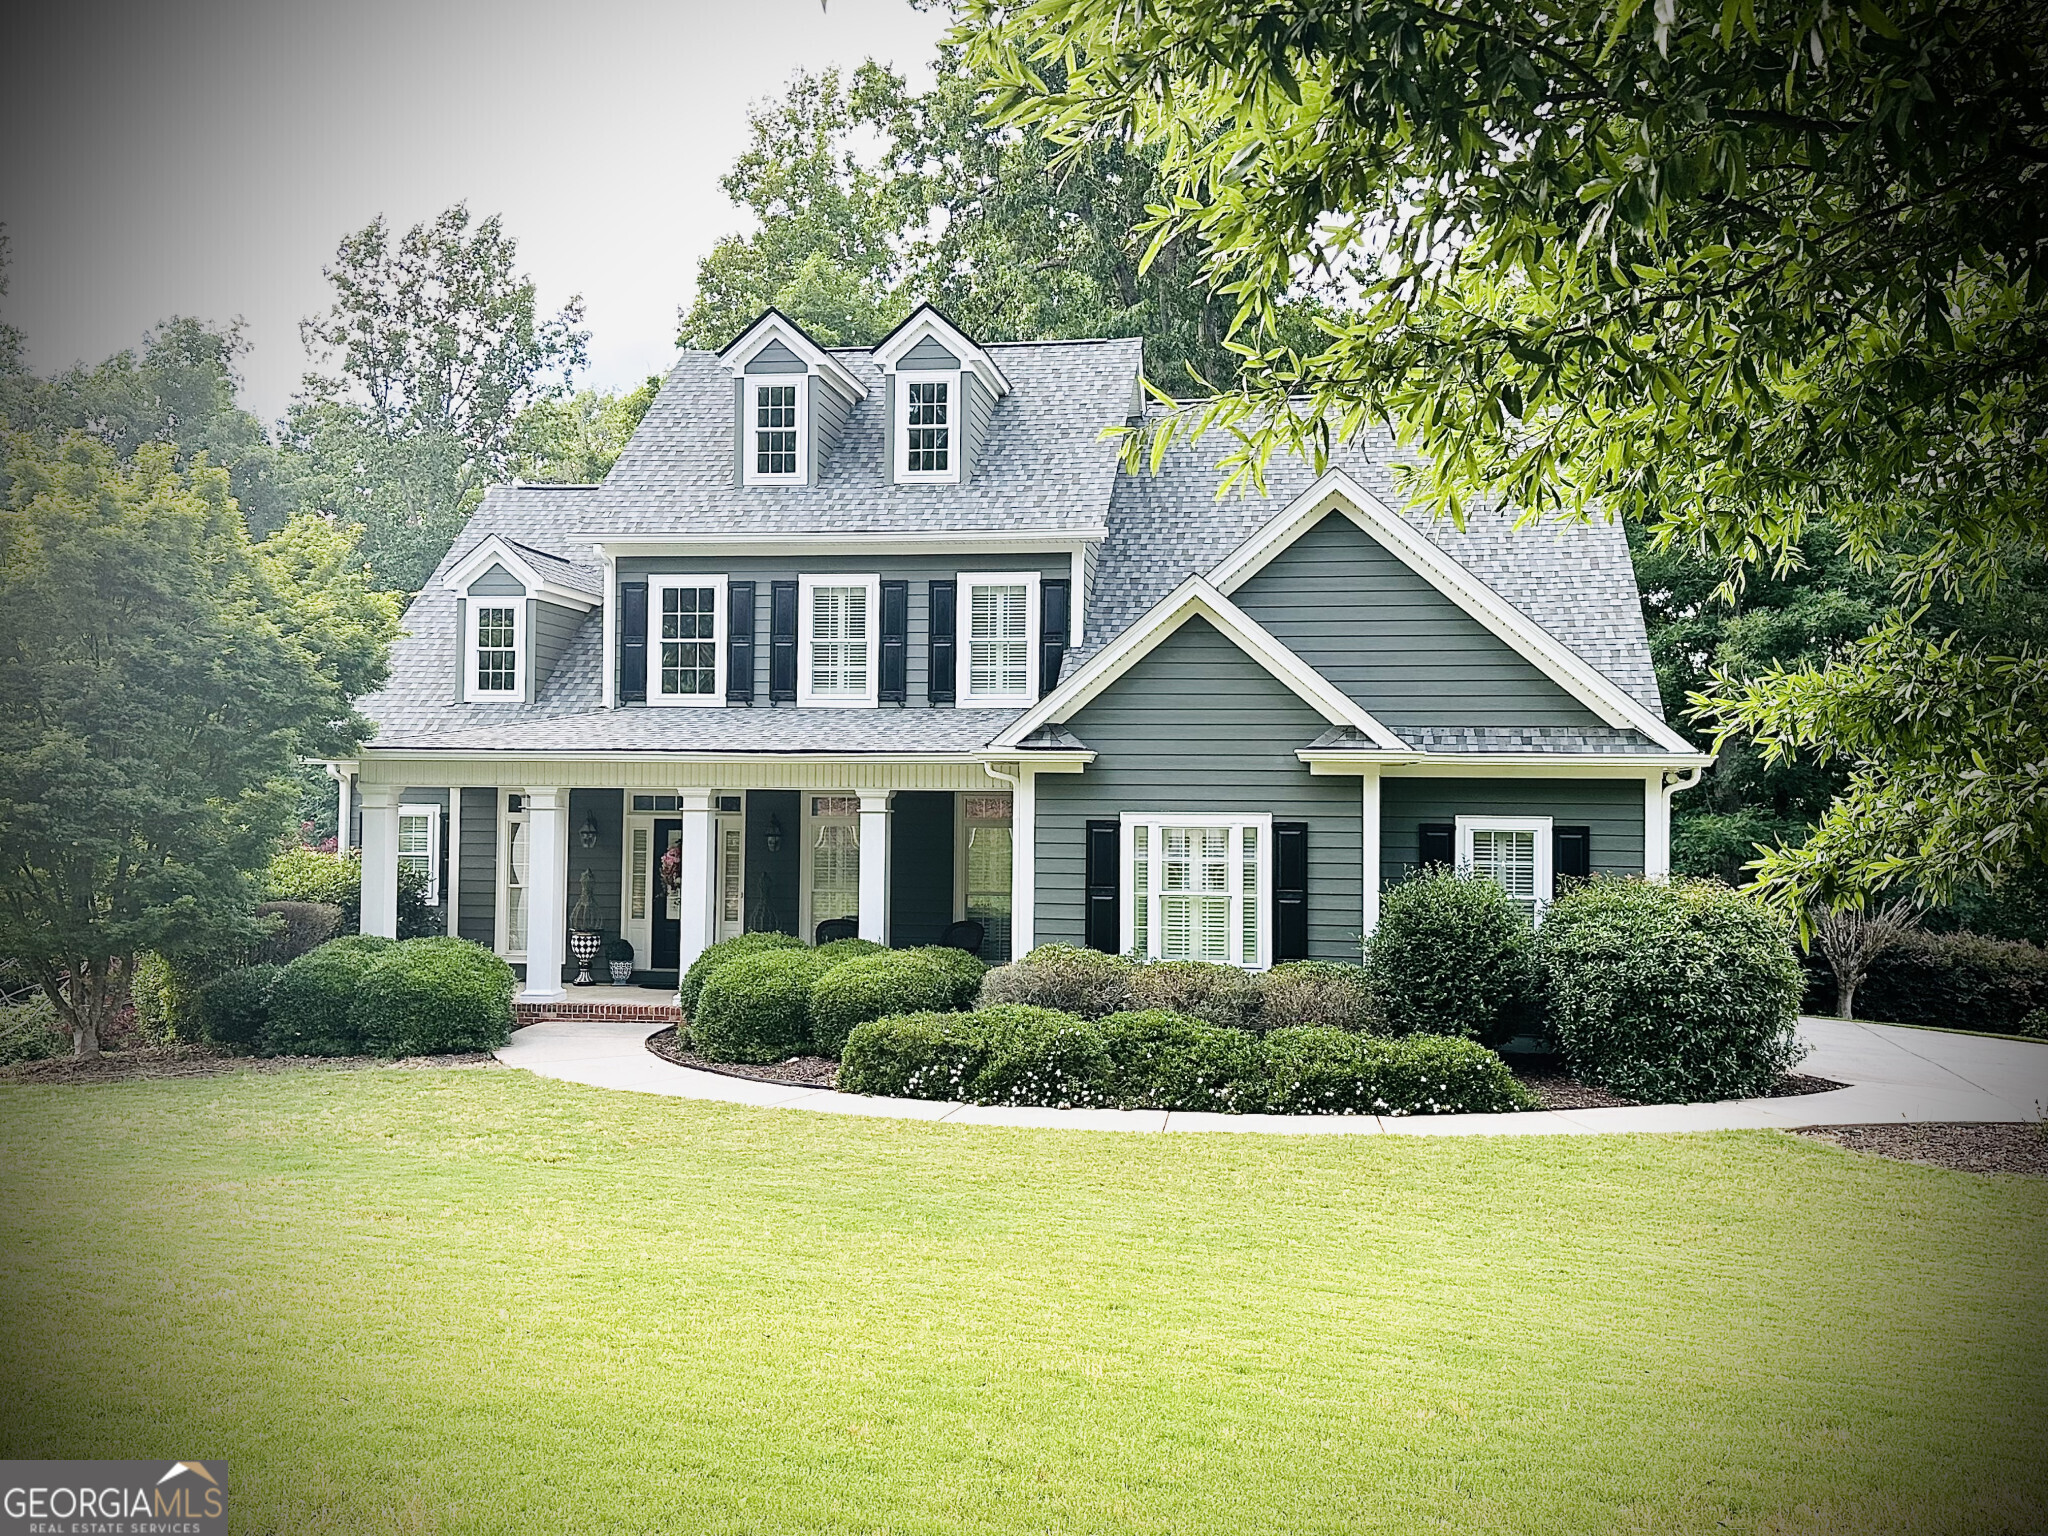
[(1199, 887), (838, 639), (774, 452), (927, 418), (1511, 851), (419, 846), (686, 640), (1002, 637), (495, 664)]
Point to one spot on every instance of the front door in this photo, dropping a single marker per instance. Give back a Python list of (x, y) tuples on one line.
[(666, 941)]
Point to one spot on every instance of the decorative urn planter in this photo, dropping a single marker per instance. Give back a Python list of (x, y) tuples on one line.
[(584, 938)]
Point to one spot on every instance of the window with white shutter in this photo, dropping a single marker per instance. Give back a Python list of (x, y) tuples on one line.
[(839, 639), (419, 847), (1198, 887), (1511, 851), (1001, 612)]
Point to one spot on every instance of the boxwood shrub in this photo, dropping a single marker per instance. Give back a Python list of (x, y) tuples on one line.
[(854, 991), (234, 1010), (757, 1007), (1452, 956), (914, 1056), (722, 954), (1316, 992), (310, 1000), (962, 970), (1040, 1056), (429, 996), (840, 950), (1320, 1071), (1670, 993), (1162, 1060), (1063, 977), (1222, 995)]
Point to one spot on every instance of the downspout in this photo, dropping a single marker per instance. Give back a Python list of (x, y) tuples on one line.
[(1672, 783)]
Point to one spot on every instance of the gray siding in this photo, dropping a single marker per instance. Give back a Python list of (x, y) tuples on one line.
[(773, 878), (1199, 726), (477, 868), (549, 629), (827, 419), (1611, 808), (920, 867), (1083, 599), (918, 570), (977, 405), (776, 358), (607, 809), (928, 356), (497, 582), (1338, 599)]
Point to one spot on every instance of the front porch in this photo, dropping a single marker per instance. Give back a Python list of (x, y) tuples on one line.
[(518, 866)]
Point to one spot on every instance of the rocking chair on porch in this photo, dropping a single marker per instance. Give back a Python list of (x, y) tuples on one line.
[(838, 928)]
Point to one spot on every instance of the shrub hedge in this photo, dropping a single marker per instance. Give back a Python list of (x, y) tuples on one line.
[(869, 986), (1163, 1060), (757, 1007), (430, 996), (336, 879), (1957, 980), (234, 1010), (1007, 1054), (1452, 956), (1063, 977), (840, 950), (1670, 993), (1316, 992), (722, 954), (963, 971), (1222, 995), (310, 999), (1320, 1071)]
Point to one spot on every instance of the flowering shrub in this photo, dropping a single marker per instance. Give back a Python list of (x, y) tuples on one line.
[(1336, 1072), (1162, 1060)]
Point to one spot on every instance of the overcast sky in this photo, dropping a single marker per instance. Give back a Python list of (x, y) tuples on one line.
[(204, 157)]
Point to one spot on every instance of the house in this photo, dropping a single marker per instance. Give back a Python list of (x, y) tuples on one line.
[(888, 635)]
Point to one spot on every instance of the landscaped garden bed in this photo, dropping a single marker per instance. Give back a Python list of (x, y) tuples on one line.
[(1962, 1146)]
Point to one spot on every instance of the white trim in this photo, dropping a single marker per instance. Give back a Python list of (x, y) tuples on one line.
[(521, 658), (1591, 765), (501, 919), (431, 814), (498, 550), (656, 585), (1371, 837), (1023, 852), (453, 866), (1155, 823), (1191, 598), (954, 403), (876, 837), (916, 541), (774, 326), (1541, 826), (608, 563), (750, 425), (806, 586), (1658, 788), (964, 637), (1337, 491), (926, 322)]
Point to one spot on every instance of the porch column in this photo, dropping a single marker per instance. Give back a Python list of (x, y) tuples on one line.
[(342, 780), (1656, 827), (380, 860), (1371, 829), (451, 866), (1023, 861), (874, 865), (547, 885), (696, 887)]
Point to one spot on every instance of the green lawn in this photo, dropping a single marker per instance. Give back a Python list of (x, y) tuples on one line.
[(474, 1300)]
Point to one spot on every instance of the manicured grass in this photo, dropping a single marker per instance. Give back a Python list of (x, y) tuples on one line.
[(479, 1301)]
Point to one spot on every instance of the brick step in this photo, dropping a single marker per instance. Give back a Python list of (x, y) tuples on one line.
[(575, 1009)]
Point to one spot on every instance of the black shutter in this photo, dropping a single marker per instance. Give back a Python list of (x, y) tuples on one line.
[(1290, 890), (1055, 600), (1103, 922), (739, 642), (895, 642), (1437, 843), (944, 600), (632, 642), (1571, 853), (782, 642)]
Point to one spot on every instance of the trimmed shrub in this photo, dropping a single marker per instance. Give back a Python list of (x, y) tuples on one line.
[(962, 970), (1451, 956), (1222, 995), (29, 1031), (296, 928), (854, 991), (840, 951), (1954, 980), (914, 1056), (234, 1010), (1040, 1056), (757, 1007), (1337, 1072), (722, 954), (427, 997), (1063, 977), (311, 998), (2035, 1025), (1670, 993), (1162, 1060), (1316, 994)]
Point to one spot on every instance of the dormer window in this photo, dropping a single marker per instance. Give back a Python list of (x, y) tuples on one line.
[(927, 411), (497, 646), (778, 432)]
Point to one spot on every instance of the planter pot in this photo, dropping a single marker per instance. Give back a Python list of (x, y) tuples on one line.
[(622, 971), (584, 945)]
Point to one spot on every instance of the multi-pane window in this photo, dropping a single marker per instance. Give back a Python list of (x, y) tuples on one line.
[(986, 822), (998, 639), (516, 863), (1513, 852), (419, 846), (839, 641), (1197, 888), (775, 430), (497, 649), (927, 426), (832, 858), (686, 645)]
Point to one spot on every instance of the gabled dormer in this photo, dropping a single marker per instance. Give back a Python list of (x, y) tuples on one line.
[(791, 399), (516, 609), (942, 390)]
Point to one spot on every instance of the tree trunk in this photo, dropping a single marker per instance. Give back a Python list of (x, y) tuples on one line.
[(1845, 999), (85, 1041)]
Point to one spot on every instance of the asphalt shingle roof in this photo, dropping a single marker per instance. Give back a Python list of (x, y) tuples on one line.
[(1575, 739)]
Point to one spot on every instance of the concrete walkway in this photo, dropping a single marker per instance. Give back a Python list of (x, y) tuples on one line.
[(1893, 1075)]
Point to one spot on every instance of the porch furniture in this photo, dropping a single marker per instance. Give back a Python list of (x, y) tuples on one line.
[(966, 935), (838, 928)]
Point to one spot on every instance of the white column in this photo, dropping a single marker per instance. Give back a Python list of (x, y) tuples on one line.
[(451, 866), (1371, 829), (874, 865), (380, 860), (696, 890), (342, 779), (1656, 827), (1023, 862), (547, 885)]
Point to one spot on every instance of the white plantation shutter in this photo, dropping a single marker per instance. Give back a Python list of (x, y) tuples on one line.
[(839, 640), (1508, 859), (1196, 890), (1140, 907), (999, 639), (515, 886), (1248, 884)]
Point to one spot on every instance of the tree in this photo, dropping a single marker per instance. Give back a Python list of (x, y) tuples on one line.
[(159, 674), (1729, 271), (576, 441)]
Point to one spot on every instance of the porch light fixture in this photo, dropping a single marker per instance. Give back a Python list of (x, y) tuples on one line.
[(587, 833), (774, 837)]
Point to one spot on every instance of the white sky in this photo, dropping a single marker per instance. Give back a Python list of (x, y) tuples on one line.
[(205, 158)]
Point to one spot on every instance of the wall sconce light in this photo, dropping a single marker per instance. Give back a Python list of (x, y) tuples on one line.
[(774, 838), (587, 833)]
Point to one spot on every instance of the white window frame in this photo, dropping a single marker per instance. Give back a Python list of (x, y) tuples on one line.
[(964, 624), (431, 814), (656, 585), (962, 827), (1540, 825), (807, 919), (1154, 822), (750, 418), (806, 586), (955, 407), (473, 625), (501, 929)]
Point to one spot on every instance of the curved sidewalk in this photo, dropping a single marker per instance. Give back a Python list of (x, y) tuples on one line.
[(1893, 1075)]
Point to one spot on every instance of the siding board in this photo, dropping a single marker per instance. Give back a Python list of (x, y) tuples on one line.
[(920, 867), (1611, 808), (477, 920)]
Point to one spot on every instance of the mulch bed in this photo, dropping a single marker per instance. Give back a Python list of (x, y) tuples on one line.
[(1993, 1147), (800, 1071), (1552, 1083), (148, 1063)]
